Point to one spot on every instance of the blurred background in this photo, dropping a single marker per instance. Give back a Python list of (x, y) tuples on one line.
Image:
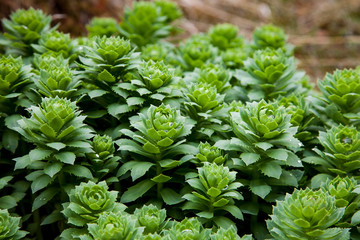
[(326, 33)]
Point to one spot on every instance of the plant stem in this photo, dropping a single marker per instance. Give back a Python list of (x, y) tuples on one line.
[(158, 172), (38, 227)]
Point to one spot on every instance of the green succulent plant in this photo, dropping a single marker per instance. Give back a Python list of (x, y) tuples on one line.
[(151, 218), (188, 229), (56, 43), (112, 225), (9, 226), (106, 62), (269, 36), (341, 97), (12, 188), (196, 52), (155, 147), (154, 84), (157, 52), (214, 193), (307, 214), (209, 154), (225, 36), (88, 201), (102, 26), (24, 28), (148, 22), (346, 192), (340, 153), (233, 58), (152, 236), (57, 130), (102, 160), (270, 73)]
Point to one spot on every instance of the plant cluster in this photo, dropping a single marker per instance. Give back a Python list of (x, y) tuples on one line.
[(123, 134)]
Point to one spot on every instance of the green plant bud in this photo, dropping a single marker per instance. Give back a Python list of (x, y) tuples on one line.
[(226, 234), (54, 42), (215, 75), (342, 189), (168, 9), (112, 225), (234, 58), (9, 226), (25, 28), (150, 217), (216, 176), (210, 154), (196, 52), (203, 97), (269, 36), (144, 24), (155, 74), (102, 26), (103, 146), (294, 108), (48, 61), (224, 36), (270, 73), (341, 149), (13, 76), (156, 52), (307, 214), (88, 201), (342, 88), (107, 59), (235, 106), (188, 229)]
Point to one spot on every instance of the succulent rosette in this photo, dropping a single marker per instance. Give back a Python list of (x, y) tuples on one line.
[(88, 201), (158, 52), (225, 36), (233, 58), (214, 192), (55, 42), (153, 236), (269, 36), (307, 214), (265, 143), (102, 160), (228, 234), (341, 96), (346, 192), (112, 225), (24, 28), (159, 141), (341, 152), (148, 22), (14, 77), (9, 226), (270, 73), (188, 229), (151, 218), (102, 26), (210, 154), (196, 52)]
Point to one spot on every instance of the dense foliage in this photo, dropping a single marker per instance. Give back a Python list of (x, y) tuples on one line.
[(125, 135)]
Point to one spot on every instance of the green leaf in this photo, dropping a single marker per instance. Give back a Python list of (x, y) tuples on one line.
[(355, 219), (131, 101), (52, 168), (207, 215), (55, 216), (161, 178), (66, 157), (22, 162), (260, 188), (10, 140), (249, 158), (96, 93), (7, 202), (151, 148), (4, 181), (137, 168), (106, 76), (79, 171), (56, 145), (38, 154), (40, 183), (137, 191), (223, 222), (171, 197), (235, 211), (44, 198), (169, 163), (263, 145), (271, 169), (278, 154)]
